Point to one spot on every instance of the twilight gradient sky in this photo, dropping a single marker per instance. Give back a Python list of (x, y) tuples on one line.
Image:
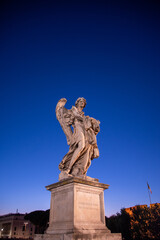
[(105, 51)]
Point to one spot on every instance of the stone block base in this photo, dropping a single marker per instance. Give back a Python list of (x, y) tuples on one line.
[(79, 236)]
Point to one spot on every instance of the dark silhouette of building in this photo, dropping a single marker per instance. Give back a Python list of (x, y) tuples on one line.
[(15, 226)]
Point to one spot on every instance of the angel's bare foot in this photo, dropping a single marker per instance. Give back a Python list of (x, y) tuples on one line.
[(64, 175)]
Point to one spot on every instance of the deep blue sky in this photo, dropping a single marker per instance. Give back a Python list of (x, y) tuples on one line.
[(105, 51)]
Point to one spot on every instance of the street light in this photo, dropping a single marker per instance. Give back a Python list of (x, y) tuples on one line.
[(1, 231)]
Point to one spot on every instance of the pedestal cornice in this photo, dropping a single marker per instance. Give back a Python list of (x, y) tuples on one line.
[(77, 180)]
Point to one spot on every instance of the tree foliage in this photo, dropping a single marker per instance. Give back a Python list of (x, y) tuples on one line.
[(120, 223), (143, 223), (39, 219), (146, 223)]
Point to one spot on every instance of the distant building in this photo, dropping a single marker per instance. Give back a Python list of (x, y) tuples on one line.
[(15, 226)]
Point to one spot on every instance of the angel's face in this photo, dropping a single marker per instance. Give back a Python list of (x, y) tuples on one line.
[(81, 103)]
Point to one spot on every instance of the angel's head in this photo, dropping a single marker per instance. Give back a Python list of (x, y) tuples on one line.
[(81, 102)]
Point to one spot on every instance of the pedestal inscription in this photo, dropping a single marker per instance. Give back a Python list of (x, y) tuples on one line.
[(88, 205)]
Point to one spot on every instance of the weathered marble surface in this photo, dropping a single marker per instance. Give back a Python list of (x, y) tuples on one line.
[(79, 236), (77, 211), (82, 140), (77, 201)]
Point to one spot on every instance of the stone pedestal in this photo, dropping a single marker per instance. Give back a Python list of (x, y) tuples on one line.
[(77, 211)]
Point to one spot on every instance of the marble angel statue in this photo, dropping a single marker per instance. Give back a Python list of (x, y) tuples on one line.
[(81, 140)]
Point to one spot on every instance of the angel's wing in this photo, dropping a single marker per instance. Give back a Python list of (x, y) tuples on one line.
[(65, 118)]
